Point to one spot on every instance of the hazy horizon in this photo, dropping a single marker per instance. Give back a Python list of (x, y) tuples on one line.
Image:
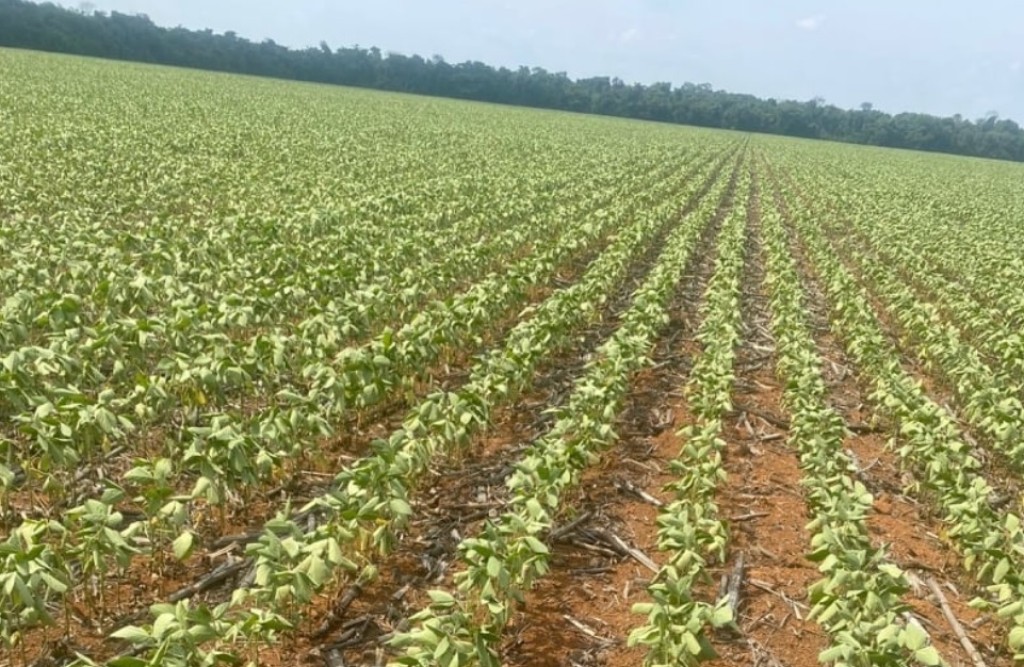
[(941, 58)]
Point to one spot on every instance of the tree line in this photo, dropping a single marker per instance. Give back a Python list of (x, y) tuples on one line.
[(48, 27)]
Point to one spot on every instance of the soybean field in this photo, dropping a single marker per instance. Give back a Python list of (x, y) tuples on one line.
[(293, 374)]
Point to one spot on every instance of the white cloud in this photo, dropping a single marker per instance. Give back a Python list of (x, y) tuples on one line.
[(811, 22)]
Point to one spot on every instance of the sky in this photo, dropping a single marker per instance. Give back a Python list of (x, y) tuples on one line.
[(938, 56)]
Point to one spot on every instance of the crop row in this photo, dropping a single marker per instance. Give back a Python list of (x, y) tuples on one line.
[(690, 530), (508, 555), (369, 501), (986, 393), (226, 451), (927, 437), (858, 600)]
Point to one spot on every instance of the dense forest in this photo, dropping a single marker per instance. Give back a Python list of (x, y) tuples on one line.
[(49, 27)]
